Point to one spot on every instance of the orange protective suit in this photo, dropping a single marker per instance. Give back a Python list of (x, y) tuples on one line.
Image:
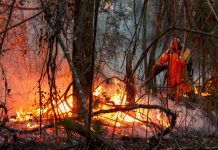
[(178, 78)]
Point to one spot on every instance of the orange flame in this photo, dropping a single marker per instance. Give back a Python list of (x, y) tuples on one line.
[(196, 91), (117, 96), (109, 98), (162, 120)]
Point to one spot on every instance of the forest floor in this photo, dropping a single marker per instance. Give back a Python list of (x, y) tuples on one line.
[(168, 143), (177, 139)]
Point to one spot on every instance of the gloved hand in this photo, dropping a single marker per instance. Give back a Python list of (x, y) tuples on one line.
[(153, 71), (158, 68)]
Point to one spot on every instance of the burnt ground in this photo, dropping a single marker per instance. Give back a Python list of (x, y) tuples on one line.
[(172, 142), (176, 142)]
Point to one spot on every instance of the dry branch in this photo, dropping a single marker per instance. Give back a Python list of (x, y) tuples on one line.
[(212, 9), (78, 87), (25, 20), (6, 26), (19, 7), (137, 106)]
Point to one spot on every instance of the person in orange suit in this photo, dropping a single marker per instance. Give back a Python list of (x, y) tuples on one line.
[(178, 70)]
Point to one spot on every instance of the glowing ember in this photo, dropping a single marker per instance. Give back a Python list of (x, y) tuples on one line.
[(29, 125)]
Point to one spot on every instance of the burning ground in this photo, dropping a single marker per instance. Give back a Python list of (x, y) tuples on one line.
[(149, 122)]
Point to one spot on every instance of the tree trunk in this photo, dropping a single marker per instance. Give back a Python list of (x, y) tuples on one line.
[(158, 15), (130, 85), (82, 45), (144, 39)]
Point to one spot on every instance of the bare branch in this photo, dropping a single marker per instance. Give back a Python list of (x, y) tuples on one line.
[(7, 24), (132, 107), (25, 20), (211, 7)]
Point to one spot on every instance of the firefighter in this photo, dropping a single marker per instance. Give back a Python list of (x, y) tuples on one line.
[(178, 70)]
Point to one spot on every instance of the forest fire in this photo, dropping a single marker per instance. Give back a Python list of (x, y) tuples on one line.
[(108, 74), (139, 120), (105, 98), (22, 115)]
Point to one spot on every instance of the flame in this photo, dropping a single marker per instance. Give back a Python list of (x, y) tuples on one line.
[(196, 91), (109, 97), (62, 107), (162, 120), (22, 116), (98, 91), (205, 94), (31, 126), (117, 97)]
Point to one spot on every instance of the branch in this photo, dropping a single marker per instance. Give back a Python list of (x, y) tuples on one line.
[(82, 98), (71, 125), (132, 107), (195, 32), (25, 20), (93, 65), (211, 7), (7, 24), (21, 8)]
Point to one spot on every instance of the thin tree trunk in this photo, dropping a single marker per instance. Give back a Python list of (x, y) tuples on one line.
[(158, 15), (144, 39), (83, 45), (130, 85)]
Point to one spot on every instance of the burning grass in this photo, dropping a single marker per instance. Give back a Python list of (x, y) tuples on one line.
[(112, 117), (109, 108)]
